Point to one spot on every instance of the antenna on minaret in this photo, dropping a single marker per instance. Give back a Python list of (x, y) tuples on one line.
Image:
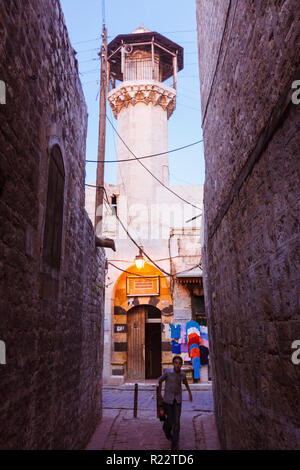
[(103, 12), (102, 120)]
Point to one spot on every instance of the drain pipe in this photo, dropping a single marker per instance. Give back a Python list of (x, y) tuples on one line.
[(105, 242)]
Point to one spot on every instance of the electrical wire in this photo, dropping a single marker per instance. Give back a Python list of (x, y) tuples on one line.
[(160, 259), (88, 50), (146, 156), (163, 32), (155, 177), (132, 239), (163, 277), (125, 271)]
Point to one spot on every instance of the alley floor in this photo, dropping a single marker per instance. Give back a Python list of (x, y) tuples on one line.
[(119, 430)]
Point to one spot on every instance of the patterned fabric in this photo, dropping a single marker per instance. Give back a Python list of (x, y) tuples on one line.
[(204, 336), (182, 339), (193, 330), (192, 324), (167, 331)]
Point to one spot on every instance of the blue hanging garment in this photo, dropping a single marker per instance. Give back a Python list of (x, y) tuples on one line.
[(196, 367), (175, 331), (176, 347)]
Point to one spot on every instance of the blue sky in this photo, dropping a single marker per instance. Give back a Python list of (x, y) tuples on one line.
[(178, 23)]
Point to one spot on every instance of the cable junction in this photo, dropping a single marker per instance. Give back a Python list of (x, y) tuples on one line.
[(135, 243)]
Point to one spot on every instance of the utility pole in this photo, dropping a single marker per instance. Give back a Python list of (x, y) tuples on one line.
[(101, 137)]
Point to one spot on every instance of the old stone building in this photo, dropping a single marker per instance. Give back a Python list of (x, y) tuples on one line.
[(249, 58), (51, 272), (142, 303)]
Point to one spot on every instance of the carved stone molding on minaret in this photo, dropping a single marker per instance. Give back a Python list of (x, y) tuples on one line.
[(130, 93)]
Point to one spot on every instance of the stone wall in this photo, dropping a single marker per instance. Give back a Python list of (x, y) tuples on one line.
[(249, 57), (51, 323)]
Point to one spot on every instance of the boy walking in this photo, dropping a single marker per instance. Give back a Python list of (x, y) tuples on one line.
[(173, 399)]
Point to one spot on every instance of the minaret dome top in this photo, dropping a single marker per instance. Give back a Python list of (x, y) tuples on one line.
[(141, 29), (144, 54)]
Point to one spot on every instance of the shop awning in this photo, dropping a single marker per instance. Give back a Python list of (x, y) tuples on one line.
[(193, 276)]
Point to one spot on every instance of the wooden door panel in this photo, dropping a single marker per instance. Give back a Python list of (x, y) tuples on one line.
[(136, 343)]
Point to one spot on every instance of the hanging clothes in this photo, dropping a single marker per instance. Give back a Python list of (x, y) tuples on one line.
[(192, 324), (204, 355), (182, 339), (183, 347), (195, 355), (175, 347), (193, 330), (193, 339), (194, 351), (196, 367), (167, 331), (186, 357), (204, 336), (175, 331)]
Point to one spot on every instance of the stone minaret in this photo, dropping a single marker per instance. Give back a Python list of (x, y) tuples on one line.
[(138, 65)]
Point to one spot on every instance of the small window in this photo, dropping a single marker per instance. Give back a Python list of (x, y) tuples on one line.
[(114, 204), (54, 210)]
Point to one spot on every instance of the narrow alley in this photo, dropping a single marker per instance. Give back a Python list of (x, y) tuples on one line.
[(150, 226), (119, 430)]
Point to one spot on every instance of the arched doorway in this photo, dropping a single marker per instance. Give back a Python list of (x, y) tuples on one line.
[(144, 342), (123, 301)]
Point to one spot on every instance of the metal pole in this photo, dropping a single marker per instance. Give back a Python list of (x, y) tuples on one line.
[(101, 136), (152, 57), (135, 400), (175, 68), (108, 76)]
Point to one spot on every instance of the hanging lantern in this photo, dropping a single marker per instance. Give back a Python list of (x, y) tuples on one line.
[(139, 260)]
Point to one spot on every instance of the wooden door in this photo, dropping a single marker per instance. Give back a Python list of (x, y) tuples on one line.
[(136, 343)]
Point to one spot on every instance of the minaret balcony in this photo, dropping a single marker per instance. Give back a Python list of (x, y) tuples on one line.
[(152, 92)]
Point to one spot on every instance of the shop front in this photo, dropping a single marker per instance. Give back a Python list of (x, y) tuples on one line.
[(141, 310)]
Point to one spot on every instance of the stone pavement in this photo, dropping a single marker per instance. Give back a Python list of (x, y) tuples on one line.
[(119, 430), (123, 399)]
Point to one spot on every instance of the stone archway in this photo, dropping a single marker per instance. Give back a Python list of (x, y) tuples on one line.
[(123, 306)]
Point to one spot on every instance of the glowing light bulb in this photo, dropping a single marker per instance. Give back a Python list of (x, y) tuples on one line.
[(139, 260)]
